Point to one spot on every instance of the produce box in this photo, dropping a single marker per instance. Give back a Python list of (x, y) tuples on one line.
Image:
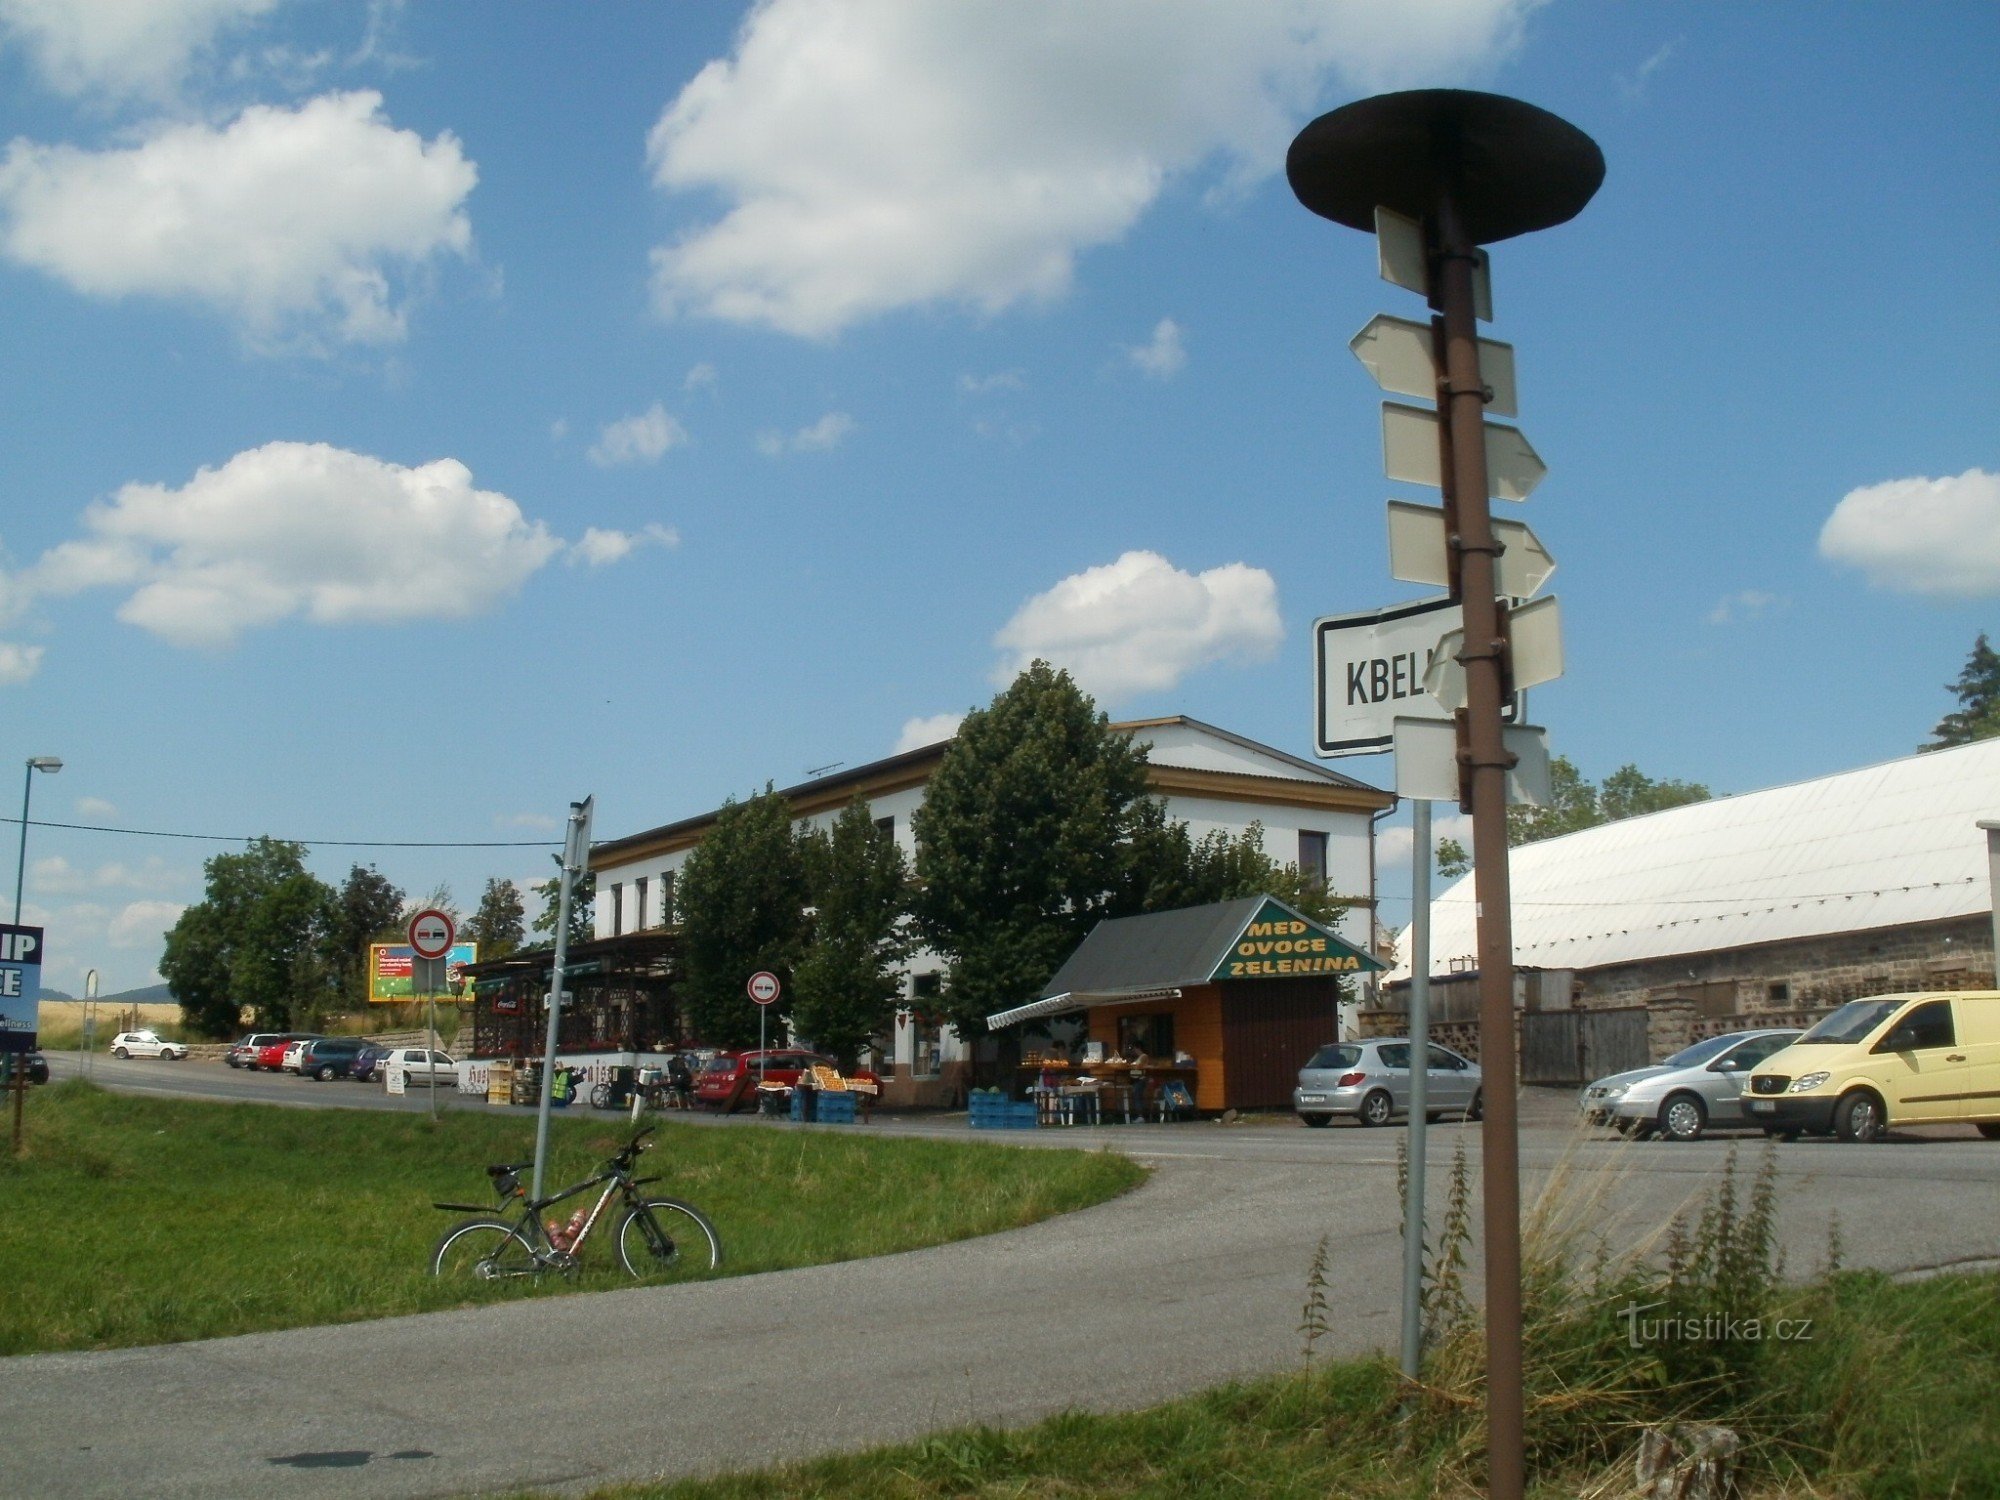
[(998, 1112)]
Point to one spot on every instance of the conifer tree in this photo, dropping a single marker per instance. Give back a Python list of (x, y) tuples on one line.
[(1978, 692)]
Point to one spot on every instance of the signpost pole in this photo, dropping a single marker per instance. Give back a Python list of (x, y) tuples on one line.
[(576, 856), (1420, 1040)]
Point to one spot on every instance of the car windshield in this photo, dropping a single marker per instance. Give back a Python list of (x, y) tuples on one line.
[(1335, 1056), (1700, 1052), (1851, 1022), (720, 1065)]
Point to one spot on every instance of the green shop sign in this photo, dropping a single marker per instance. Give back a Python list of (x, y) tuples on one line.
[(1278, 943)]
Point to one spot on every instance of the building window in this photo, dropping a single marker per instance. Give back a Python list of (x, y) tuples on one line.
[(1312, 856), (926, 1027), (639, 904), (617, 909), (1778, 994), (1151, 1035), (666, 898), (886, 825)]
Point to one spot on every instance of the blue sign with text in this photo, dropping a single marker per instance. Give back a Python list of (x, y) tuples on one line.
[(20, 987)]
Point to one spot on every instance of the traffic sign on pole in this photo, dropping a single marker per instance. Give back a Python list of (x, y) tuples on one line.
[(763, 987), (1399, 246), (1420, 551), (1428, 768), (1410, 453), (1369, 668), (1534, 654), (431, 933), (1402, 357)]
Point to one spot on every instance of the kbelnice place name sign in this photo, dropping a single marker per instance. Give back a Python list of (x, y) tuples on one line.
[(1278, 943)]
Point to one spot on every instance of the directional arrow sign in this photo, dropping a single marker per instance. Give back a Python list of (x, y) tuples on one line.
[(1534, 653), (1370, 667), (1398, 353), (1410, 453), (1427, 761), (1418, 551), (1399, 246)]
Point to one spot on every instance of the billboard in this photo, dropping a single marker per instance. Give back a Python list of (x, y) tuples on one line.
[(390, 965), (20, 987)]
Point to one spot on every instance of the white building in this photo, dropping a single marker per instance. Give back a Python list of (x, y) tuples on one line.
[(1209, 778)]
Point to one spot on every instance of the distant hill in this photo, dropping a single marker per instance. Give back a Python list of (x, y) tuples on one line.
[(151, 994), (56, 995)]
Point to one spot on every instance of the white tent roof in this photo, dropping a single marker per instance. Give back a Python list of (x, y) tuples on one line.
[(1883, 846)]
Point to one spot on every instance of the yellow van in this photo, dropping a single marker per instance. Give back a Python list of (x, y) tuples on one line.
[(1927, 1059)]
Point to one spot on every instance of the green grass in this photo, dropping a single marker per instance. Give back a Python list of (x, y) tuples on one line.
[(143, 1221), (1890, 1399)]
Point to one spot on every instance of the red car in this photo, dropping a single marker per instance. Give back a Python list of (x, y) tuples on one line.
[(271, 1056), (730, 1079)]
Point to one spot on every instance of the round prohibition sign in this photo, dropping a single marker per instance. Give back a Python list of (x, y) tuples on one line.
[(763, 987), (431, 933)]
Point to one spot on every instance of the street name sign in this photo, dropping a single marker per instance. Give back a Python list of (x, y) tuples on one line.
[(1369, 668), (1398, 353), (1410, 453), (1419, 553)]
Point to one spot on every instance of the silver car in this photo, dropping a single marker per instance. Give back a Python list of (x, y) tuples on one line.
[(1371, 1081), (1697, 1087)]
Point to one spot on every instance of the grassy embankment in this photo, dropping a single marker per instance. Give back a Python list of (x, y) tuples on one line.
[(141, 1221), (1881, 1390)]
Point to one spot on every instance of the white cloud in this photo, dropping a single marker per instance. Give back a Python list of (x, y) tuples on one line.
[(1935, 537), (934, 730), (56, 876), (1140, 624), (295, 224), (143, 924), (829, 432), (1162, 358), (986, 385), (637, 440), (876, 154), (299, 530), (539, 822), (1745, 604), (95, 807), (1633, 89), (124, 47), (600, 546), (18, 663), (701, 377)]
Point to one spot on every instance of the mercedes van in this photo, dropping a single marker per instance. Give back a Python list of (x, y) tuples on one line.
[(1925, 1059)]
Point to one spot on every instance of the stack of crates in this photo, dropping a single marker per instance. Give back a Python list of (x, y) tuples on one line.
[(834, 1108), (993, 1110)]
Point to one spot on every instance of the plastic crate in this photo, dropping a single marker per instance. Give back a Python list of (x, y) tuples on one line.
[(833, 1108), (997, 1112)]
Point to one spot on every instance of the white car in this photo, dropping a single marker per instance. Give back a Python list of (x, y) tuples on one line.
[(419, 1067), (146, 1044), (295, 1052)]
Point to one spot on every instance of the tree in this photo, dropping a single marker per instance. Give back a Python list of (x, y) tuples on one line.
[(1023, 841), (1575, 803), (742, 897), (1978, 692), (368, 908), (1168, 868), (1453, 859), (257, 940), (497, 926), (847, 984), (582, 907)]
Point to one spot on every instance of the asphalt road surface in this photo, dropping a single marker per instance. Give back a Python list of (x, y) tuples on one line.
[(1196, 1277)]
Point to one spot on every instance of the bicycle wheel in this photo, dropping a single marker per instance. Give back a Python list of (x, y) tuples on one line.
[(483, 1250), (600, 1096), (664, 1235)]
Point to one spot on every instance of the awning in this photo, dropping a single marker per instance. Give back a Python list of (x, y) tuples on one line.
[(1065, 1004)]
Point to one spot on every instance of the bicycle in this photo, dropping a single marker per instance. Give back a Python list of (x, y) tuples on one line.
[(655, 1235)]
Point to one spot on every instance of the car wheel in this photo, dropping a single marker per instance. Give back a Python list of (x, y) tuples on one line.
[(1988, 1129), (1377, 1108), (1860, 1117), (1682, 1118), (1320, 1122), (325, 1073), (120, 1052)]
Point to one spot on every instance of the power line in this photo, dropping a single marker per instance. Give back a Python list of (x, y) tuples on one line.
[(237, 838)]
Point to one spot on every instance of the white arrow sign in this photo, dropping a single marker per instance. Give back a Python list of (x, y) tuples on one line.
[(1419, 552), (1410, 453), (1399, 247), (1534, 652), (1398, 353), (1427, 761), (1369, 668)]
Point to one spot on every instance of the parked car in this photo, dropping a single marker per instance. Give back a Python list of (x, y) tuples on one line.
[(288, 1060), (146, 1044), (1908, 1059), (419, 1067), (728, 1077), (367, 1062), (1370, 1080), (329, 1057), (36, 1065), (271, 1056), (1699, 1086), (243, 1052)]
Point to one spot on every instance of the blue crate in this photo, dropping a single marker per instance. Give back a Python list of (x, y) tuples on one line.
[(997, 1112), (833, 1108)]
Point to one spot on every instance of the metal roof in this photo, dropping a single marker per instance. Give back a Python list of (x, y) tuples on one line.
[(1885, 846)]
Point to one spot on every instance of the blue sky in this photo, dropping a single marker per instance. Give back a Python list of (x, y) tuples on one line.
[(420, 416)]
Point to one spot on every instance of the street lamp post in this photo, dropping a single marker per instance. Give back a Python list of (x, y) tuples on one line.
[(35, 763)]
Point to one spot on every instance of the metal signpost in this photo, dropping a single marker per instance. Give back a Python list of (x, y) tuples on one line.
[(431, 935), (1436, 173), (575, 860), (763, 988)]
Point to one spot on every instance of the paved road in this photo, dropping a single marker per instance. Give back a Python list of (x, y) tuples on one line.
[(1196, 1277)]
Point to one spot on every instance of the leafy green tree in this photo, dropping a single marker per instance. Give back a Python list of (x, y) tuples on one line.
[(1167, 868), (1577, 803), (1628, 792), (1978, 692), (497, 927), (742, 897), (1023, 841), (582, 908), (256, 941), (368, 908), (1572, 805), (1453, 858), (846, 984)]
